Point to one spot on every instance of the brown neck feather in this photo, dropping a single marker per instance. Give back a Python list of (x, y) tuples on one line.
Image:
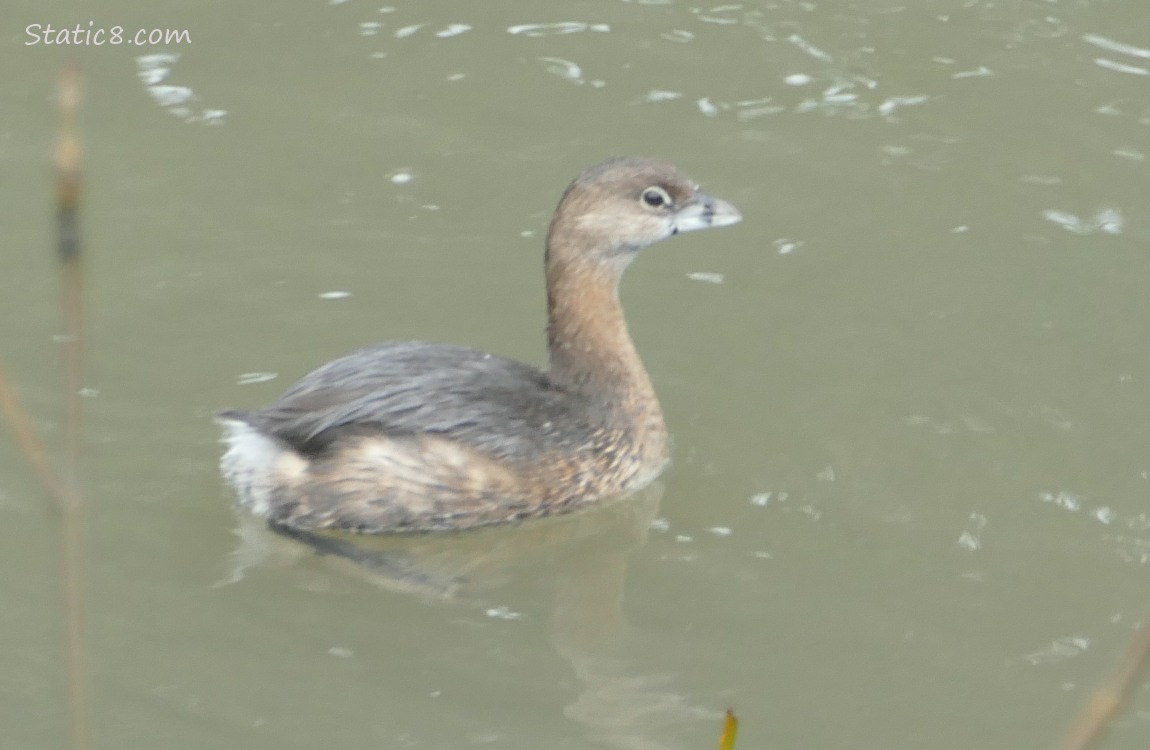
[(591, 349)]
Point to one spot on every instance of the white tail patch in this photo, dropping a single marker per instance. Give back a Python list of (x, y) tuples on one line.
[(255, 463)]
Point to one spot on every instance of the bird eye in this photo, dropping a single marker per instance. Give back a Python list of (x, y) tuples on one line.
[(656, 197)]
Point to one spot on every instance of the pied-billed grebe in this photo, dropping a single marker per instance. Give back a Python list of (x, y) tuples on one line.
[(417, 437)]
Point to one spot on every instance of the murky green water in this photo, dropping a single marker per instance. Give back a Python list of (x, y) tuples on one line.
[(909, 393)]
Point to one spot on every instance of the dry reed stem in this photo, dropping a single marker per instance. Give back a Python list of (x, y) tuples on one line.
[(68, 153), (1109, 697)]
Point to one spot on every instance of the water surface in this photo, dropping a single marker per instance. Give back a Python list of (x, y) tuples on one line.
[(908, 393)]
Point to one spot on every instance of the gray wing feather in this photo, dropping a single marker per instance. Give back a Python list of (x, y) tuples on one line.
[(494, 403)]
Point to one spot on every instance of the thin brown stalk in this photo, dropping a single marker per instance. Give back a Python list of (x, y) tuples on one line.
[(26, 439), (68, 154), (1108, 699)]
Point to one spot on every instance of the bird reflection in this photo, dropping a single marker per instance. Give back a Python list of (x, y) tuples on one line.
[(618, 703)]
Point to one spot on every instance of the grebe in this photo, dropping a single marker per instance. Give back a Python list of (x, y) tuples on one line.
[(416, 437)]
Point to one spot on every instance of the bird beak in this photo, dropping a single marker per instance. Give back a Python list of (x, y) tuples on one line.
[(704, 212)]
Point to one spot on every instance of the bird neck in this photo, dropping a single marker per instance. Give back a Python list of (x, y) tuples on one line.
[(590, 347)]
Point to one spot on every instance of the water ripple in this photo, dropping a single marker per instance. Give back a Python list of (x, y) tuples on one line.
[(678, 35), (454, 29), (153, 71), (556, 29), (893, 103), (809, 48), (251, 378), (970, 540), (853, 96), (763, 499), (406, 31), (1118, 67), (980, 72), (1129, 532), (1107, 221), (565, 69), (659, 95), (1058, 650), (716, 15), (1115, 46)]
